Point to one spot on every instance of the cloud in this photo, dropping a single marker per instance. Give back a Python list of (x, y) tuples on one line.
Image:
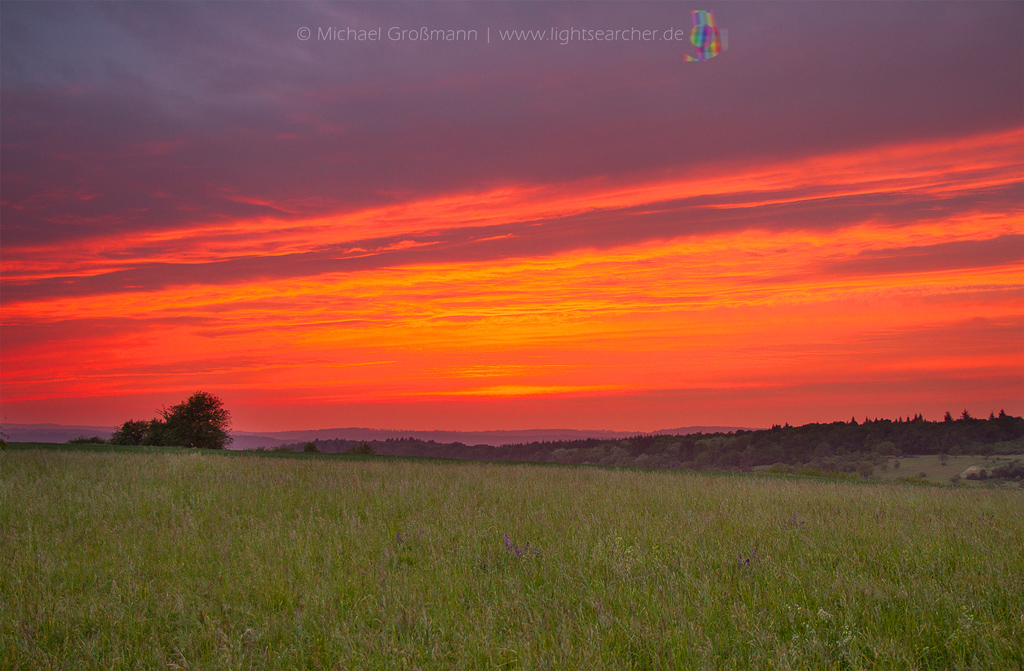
[(1004, 250), (251, 122), (192, 193), (892, 186)]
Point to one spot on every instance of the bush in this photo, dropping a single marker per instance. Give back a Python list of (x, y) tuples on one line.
[(156, 433), (310, 447), (886, 447), (1011, 471), (914, 480), (82, 440), (130, 433), (200, 422), (822, 473), (365, 448), (563, 456)]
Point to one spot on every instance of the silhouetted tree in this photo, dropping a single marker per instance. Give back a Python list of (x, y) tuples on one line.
[(156, 433), (200, 422), (130, 433)]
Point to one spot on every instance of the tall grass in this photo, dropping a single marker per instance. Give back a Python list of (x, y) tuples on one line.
[(201, 561)]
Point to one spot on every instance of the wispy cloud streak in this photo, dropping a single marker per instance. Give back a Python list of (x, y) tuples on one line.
[(502, 236)]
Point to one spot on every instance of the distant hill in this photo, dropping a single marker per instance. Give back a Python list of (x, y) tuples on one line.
[(687, 430), (847, 448), (53, 433), (62, 433), (493, 438), (247, 440)]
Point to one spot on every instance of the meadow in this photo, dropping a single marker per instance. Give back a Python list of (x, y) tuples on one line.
[(941, 469), (165, 558)]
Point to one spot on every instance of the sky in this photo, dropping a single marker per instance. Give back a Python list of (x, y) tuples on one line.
[(510, 231)]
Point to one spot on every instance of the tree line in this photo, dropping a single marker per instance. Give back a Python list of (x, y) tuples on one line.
[(844, 447)]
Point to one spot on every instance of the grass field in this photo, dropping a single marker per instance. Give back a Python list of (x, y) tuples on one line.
[(940, 473), (165, 559), (936, 469)]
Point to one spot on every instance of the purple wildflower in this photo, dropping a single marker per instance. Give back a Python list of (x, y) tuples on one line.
[(514, 548)]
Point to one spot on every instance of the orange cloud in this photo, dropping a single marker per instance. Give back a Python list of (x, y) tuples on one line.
[(935, 168), (751, 309)]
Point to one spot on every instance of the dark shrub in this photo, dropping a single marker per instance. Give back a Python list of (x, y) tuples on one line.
[(1011, 471), (201, 421), (130, 433), (156, 433)]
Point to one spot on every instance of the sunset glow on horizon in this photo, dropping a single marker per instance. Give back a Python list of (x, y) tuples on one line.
[(880, 273)]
